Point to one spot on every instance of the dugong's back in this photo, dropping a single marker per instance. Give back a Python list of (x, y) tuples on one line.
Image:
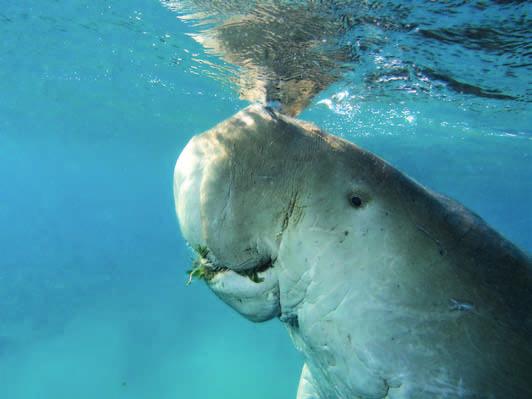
[(485, 338)]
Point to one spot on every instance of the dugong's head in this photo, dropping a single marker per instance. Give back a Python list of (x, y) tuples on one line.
[(244, 189)]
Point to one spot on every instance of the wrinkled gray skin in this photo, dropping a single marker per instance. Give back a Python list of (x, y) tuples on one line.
[(408, 295)]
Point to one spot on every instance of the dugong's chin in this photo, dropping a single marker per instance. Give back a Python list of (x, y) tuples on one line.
[(256, 300)]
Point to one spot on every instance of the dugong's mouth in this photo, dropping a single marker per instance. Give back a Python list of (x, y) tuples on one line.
[(251, 288), (206, 267)]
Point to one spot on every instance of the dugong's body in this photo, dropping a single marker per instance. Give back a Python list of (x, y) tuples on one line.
[(389, 290)]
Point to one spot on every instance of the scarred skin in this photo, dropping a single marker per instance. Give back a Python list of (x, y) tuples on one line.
[(388, 289)]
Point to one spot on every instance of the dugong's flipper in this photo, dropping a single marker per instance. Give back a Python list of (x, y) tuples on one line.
[(306, 389)]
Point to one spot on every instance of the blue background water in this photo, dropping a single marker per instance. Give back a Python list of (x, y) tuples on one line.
[(97, 98)]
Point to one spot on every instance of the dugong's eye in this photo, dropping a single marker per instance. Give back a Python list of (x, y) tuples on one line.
[(355, 201)]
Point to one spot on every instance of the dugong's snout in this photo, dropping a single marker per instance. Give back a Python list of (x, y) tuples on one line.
[(222, 208)]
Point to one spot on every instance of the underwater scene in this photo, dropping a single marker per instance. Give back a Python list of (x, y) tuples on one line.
[(105, 293)]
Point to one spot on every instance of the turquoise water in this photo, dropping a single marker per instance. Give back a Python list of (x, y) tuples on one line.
[(97, 99)]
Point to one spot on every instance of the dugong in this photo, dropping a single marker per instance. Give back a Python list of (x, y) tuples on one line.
[(388, 289)]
